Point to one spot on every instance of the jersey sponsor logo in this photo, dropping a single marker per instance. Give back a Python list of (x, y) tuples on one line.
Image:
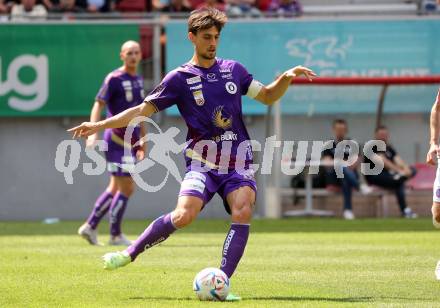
[(126, 84), (193, 80), (225, 70), (221, 120), (211, 77), (198, 87), (227, 76), (227, 136), (231, 87), (198, 97)]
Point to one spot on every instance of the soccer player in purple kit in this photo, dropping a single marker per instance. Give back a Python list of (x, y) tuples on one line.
[(122, 89), (207, 91)]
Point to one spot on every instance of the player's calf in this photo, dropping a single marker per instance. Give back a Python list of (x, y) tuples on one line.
[(436, 214)]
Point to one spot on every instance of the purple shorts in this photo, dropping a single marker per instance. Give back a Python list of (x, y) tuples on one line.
[(118, 162), (205, 184)]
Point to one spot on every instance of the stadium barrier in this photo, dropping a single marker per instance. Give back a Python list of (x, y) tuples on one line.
[(274, 121)]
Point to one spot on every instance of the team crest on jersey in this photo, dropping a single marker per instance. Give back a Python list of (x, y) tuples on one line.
[(220, 119), (231, 87), (198, 97), (193, 80), (227, 76)]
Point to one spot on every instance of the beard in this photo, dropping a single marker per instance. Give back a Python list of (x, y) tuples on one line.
[(208, 55)]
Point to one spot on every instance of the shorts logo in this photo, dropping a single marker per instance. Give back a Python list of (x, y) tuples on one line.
[(231, 87), (198, 97), (193, 181), (193, 80), (437, 192)]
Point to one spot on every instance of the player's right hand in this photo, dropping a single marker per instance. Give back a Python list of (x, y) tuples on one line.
[(84, 130), (433, 154)]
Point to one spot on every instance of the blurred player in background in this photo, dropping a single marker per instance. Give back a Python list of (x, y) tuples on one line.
[(432, 156), (122, 89), (207, 91)]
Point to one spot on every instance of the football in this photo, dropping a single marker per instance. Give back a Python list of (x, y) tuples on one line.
[(211, 284)]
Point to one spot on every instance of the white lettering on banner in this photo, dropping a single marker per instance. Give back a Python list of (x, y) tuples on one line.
[(37, 91)]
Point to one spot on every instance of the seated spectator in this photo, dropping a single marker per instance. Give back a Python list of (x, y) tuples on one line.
[(242, 7), (67, 6), (28, 10), (3, 7), (176, 6), (394, 174), (350, 179), (94, 6), (48, 4), (286, 7), (217, 4)]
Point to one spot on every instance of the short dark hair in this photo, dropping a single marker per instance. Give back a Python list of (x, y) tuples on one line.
[(339, 121), (206, 18), (380, 127)]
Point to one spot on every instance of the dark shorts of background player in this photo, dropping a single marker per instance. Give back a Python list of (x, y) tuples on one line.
[(117, 163)]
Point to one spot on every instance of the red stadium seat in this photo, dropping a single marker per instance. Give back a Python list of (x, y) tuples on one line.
[(132, 6), (424, 179), (146, 41)]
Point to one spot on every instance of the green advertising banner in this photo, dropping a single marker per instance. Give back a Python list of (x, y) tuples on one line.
[(57, 69)]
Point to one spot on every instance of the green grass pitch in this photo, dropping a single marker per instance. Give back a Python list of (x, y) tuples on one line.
[(287, 263)]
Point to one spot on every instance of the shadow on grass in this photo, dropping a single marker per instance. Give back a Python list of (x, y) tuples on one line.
[(135, 227), (267, 298)]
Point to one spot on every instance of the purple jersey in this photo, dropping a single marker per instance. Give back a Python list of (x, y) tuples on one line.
[(209, 100), (119, 92)]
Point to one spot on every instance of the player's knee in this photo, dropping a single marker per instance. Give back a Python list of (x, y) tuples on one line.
[(127, 189), (183, 217), (242, 213), (436, 214)]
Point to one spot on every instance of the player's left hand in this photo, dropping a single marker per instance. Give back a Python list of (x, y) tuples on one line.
[(140, 154), (432, 154), (301, 70)]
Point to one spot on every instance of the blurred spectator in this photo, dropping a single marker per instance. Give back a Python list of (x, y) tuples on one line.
[(350, 179), (48, 4), (217, 4), (395, 173), (286, 7), (242, 7), (67, 6), (28, 10), (94, 6), (3, 7), (177, 6)]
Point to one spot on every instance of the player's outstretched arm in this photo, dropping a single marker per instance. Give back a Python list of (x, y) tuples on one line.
[(273, 92), (434, 130), (120, 120)]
